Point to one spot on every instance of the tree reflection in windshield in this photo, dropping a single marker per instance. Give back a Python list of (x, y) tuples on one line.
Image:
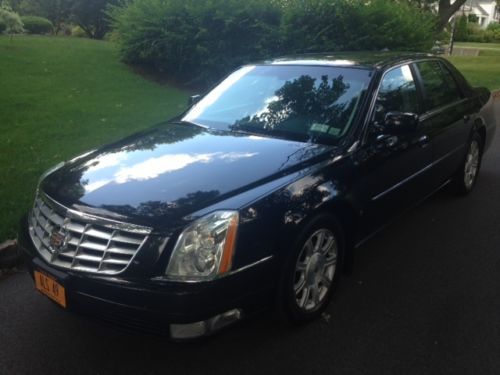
[(301, 105), (299, 102)]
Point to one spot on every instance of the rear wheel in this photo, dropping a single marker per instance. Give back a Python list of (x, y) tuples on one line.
[(312, 271), (465, 179)]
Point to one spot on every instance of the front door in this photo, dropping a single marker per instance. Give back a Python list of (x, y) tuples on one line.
[(393, 168)]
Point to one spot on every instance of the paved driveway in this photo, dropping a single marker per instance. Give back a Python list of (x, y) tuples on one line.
[(424, 298)]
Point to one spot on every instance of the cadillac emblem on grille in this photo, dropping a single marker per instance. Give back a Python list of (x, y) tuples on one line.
[(57, 239)]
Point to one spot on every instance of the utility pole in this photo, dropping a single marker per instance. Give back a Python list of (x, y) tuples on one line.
[(452, 35)]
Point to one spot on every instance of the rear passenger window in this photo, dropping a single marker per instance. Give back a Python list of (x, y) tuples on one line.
[(440, 87), (397, 93)]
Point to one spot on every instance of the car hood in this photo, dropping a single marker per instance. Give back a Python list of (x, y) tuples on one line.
[(157, 177)]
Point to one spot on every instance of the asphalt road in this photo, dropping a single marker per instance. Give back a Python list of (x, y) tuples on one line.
[(424, 298)]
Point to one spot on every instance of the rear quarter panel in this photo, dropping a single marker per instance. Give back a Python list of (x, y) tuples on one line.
[(490, 116)]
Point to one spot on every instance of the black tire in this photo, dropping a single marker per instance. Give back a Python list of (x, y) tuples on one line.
[(465, 178), (288, 303)]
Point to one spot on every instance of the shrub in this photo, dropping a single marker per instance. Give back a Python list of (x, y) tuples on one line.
[(78, 32), (193, 40), (65, 29), (200, 41), (474, 33), (492, 36), (37, 25), (493, 26), (112, 36), (3, 26), (11, 20)]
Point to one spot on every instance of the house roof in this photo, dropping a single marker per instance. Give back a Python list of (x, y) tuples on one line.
[(476, 5)]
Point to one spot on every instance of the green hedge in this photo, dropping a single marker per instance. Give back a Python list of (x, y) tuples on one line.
[(37, 25), (194, 40), (353, 25), (200, 41)]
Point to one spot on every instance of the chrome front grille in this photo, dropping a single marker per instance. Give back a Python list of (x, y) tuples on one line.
[(69, 239)]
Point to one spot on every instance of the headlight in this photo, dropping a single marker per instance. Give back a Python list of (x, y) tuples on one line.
[(205, 249)]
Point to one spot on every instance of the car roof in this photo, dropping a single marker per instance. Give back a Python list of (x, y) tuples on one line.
[(367, 60)]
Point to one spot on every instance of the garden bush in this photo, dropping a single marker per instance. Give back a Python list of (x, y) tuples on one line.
[(37, 25), (200, 41), (3, 26)]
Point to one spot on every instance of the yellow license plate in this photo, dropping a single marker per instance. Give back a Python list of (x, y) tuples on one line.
[(50, 287)]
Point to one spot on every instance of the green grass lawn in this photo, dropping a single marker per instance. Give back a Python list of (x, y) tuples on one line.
[(58, 98), (483, 70)]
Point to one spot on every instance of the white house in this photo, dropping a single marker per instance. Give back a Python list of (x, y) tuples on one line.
[(486, 11)]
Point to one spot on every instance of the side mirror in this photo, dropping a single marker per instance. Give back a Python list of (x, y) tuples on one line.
[(194, 99), (400, 122)]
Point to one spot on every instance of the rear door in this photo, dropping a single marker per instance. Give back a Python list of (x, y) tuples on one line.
[(447, 116)]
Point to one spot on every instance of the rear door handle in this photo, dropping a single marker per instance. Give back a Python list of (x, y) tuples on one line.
[(423, 141), (466, 118)]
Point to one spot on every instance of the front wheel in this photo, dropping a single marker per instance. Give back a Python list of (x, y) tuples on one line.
[(312, 270), (465, 179)]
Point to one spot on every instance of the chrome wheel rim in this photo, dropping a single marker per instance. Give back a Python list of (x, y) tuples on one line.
[(471, 164), (315, 269)]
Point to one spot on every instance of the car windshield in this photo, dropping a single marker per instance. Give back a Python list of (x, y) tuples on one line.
[(308, 103)]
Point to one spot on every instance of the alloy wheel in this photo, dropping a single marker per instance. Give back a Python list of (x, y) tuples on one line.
[(471, 164), (315, 270)]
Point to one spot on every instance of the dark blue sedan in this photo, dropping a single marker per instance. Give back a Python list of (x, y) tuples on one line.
[(257, 195)]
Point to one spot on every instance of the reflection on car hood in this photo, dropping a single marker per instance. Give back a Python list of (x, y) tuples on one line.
[(173, 170)]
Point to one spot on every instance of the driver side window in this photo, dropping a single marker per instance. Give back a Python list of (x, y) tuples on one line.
[(397, 93)]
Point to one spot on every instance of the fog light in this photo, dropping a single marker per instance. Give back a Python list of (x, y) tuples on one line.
[(188, 331), (205, 327)]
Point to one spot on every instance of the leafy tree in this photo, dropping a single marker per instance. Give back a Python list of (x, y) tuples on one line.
[(446, 9), (461, 31), (88, 14), (10, 20), (91, 17)]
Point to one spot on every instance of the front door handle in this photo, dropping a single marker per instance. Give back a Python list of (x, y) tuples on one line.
[(423, 141), (387, 140)]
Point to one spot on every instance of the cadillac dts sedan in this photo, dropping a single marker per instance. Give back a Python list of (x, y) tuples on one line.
[(257, 195)]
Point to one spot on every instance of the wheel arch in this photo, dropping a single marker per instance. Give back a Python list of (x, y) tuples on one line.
[(341, 210), (480, 128)]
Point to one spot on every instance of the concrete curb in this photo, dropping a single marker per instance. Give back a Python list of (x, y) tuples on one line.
[(9, 254)]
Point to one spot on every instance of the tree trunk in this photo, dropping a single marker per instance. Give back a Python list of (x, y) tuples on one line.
[(446, 10)]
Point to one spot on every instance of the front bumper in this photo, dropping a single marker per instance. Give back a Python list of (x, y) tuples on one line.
[(158, 306)]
